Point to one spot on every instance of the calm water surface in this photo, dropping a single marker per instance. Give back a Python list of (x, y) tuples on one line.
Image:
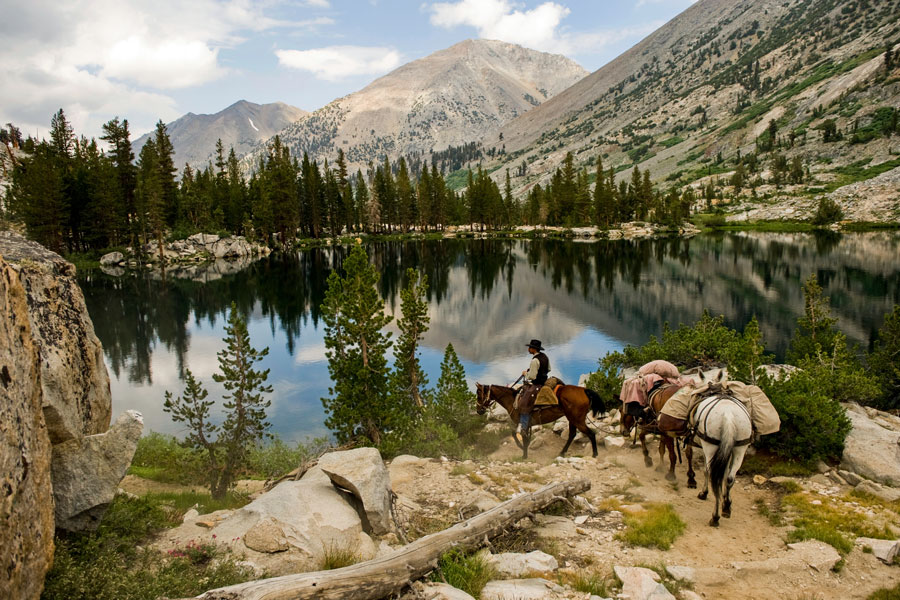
[(488, 298)]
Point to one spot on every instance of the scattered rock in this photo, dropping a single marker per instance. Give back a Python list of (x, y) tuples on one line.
[(190, 515), (759, 480), (429, 590), (639, 583), (86, 472), (267, 535), (850, 477), (516, 564), (521, 589), (580, 519), (476, 502), (888, 494), (883, 550), (871, 448), (550, 526), (362, 472), (682, 573), (811, 553), (614, 441), (26, 502), (112, 259)]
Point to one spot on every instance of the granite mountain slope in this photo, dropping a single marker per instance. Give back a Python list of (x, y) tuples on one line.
[(703, 88), (445, 99), (241, 126)]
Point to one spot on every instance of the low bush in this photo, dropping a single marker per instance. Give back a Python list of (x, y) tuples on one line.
[(109, 564), (467, 572), (813, 424), (163, 458), (827, 212), (656, 527), (884, 361)]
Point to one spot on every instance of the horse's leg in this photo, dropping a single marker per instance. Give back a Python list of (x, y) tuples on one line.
[(737, 458), (689, 457), (568, 441), (581, 425), (643, 437), (706, 458), (661, 450), (670, 446)]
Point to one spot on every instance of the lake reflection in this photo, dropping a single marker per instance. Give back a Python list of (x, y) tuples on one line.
[(487, 298)]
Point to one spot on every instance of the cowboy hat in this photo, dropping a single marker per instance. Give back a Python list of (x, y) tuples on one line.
[(536, 344)]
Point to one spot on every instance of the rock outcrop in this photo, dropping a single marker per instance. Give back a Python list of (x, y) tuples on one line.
[(26, 504), (74, 380), (362, 472), (200, 247), (86, 472), (872, 448), (54, 398)]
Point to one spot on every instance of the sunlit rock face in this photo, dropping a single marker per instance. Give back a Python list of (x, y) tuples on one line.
[(26, 504), (74, 380)]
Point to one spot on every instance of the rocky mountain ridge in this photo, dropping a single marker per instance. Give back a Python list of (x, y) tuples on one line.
[(444, 99), (695, 96), (240, 126)]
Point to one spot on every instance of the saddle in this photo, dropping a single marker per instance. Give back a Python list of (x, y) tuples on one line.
[(547, 396)]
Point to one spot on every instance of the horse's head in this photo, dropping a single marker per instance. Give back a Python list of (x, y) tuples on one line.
[(483, 398)]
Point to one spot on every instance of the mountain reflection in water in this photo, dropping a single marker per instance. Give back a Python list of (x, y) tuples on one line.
[(487, 298)]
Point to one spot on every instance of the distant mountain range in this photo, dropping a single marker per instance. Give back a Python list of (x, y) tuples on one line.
[(447, 98), (242, 126)]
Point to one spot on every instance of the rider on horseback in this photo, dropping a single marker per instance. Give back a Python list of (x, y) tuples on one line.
[(535, 377)]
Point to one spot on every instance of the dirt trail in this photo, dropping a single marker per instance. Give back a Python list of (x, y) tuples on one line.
[(620, 473)]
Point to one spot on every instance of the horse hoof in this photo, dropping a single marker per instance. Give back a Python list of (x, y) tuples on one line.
[(648, 462), (670, 477), (692, 485), (702, 495), (727, 515), (714, 522)]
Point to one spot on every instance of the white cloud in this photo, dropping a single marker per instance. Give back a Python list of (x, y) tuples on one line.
[(318, 3), (99, 58), (539, 28), (497, 19), (333, 63)]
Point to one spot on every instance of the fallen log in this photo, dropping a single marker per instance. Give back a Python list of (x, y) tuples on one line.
[(388, 574)]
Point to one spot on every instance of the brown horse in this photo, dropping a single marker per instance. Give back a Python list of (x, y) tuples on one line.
[(574, 402), (668, 438)]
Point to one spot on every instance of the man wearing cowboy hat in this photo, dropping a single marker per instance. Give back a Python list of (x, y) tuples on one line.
[(535, 378)]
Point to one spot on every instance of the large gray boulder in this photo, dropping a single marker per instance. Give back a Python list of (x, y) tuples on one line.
[(74, 380), (86, 472), (291, 528), (26, 503), (362, 472), (871, 448)]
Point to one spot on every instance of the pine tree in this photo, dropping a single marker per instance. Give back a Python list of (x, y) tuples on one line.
[(453, 401), (353, 314), (165, 156), (815, 331), (748, 355), (409, 379), (151, 210), (884, 361), (245, 422), (245, 405)]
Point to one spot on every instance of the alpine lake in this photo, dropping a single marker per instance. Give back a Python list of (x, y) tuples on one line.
[(488, 297)]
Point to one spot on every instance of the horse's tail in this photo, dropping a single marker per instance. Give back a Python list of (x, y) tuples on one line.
[(597, 405), (721, 460)]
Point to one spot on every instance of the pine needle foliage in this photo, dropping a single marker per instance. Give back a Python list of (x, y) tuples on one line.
[(359, 406), (227, 446), (408, 375), (815, 329)]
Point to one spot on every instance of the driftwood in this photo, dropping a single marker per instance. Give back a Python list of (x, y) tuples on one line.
[(388, 574)]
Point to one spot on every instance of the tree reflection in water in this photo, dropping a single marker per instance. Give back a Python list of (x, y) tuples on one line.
[(486, 295)]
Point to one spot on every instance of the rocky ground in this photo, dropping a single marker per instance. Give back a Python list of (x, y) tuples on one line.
[(747, 557)]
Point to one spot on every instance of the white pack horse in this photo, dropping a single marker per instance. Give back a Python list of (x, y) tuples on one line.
[(723, 426)]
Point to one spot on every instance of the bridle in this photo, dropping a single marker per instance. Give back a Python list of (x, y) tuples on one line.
[(485, 403)]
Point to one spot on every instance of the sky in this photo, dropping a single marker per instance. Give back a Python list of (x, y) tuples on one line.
[(144, 61)]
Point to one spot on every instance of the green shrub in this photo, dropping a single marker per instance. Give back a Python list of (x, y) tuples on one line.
[(161, 457), (813, 424), (109, 565), (467, 572), (827, 212), (275, 458), (656, 527)]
